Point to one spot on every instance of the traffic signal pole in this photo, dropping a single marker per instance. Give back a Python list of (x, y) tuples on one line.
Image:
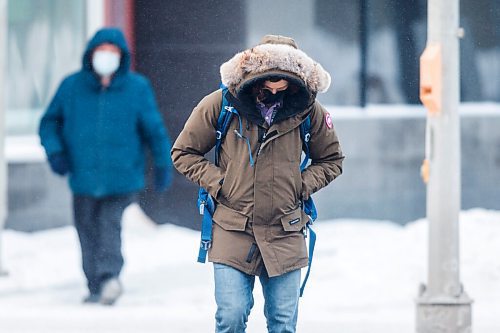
[(3, 106), (442, 305)]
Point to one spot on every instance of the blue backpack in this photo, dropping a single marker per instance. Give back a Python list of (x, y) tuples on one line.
[(206, 204)]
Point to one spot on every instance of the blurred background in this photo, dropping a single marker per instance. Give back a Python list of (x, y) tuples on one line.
[(370, 47)]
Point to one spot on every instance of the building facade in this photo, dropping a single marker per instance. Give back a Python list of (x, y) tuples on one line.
[(371, 48)]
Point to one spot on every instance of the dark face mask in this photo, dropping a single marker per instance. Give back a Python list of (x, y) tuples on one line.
[(270, 98)]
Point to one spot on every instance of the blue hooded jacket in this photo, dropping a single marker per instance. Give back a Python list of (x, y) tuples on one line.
[(103, 131)]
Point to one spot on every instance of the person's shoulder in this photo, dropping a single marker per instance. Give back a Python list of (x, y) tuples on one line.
[(319, 113), (211, 103), (214, 98), (321, 117), (139, 79), (317, 109), (70, 79)]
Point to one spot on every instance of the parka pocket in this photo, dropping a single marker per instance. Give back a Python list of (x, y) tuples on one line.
[(229, 219), (295, 220), (223, 192), (237, 187)]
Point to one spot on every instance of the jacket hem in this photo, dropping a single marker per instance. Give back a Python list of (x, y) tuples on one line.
[(289, 269), (245, 270), (234, 265)]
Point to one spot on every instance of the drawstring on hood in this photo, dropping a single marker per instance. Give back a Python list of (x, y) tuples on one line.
[(240, 135)]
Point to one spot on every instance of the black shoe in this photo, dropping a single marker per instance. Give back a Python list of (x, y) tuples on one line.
[(110, 292), (92, 298)]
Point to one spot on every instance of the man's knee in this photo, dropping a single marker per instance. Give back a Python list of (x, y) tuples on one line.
[(232, 319)]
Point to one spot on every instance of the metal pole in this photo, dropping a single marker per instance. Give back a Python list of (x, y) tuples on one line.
[(3, 104), (363, 44), (442, 306)]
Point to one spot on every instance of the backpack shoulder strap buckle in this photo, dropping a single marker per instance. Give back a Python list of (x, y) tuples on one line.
[(205, 244)]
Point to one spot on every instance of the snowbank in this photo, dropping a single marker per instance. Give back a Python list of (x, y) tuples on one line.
[(365, 278)]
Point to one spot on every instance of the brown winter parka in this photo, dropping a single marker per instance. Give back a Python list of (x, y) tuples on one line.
[(258, 221)]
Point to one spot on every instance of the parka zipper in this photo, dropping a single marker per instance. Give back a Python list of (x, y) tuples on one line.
[(100, 133), (265, 139)]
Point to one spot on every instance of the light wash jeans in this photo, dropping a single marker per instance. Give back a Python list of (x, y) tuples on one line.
[(234, 297)]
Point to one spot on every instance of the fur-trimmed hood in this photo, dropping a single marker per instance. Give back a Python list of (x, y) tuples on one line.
[(276, 55)]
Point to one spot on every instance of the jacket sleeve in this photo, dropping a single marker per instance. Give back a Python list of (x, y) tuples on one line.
[(195, 140), (153, 129), (51, 124), (325, 153)]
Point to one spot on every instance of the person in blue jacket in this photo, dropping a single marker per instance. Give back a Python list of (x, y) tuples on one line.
[(95, 130)]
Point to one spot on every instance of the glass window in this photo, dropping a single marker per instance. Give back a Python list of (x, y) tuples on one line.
[(397, 36), (480, 50), (329, 31), (45, 43)]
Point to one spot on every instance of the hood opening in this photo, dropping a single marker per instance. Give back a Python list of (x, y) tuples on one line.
[(112, 36), (297, 97), (277, 55)]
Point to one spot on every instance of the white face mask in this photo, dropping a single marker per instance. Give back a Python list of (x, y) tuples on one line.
[(105, 63)]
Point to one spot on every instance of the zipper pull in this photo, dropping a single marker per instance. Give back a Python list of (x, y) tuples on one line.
[(238, 134)]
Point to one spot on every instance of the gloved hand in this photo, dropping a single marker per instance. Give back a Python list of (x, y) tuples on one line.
[(59, 163), (163, 178)]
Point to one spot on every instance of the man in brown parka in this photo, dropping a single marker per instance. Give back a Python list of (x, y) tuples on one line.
[(258, 186)]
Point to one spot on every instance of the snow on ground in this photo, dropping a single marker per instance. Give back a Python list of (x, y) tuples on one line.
[(365, 278)]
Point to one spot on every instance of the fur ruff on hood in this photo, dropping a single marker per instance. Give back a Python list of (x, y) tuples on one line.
[(270, 58)]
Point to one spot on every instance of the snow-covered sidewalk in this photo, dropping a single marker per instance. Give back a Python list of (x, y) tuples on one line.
[(365, 278)]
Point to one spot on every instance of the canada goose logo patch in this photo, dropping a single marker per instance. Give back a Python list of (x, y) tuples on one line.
[(328, 121), (292, 222)]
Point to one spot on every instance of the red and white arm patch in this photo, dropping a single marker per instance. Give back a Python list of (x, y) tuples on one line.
[(328, 121)]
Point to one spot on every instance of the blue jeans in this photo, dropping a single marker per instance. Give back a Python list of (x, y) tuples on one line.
[(234, 297)]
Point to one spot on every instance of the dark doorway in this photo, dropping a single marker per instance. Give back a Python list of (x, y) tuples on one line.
[(180, 46)]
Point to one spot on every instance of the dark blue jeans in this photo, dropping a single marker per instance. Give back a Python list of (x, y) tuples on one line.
[(98, 223)]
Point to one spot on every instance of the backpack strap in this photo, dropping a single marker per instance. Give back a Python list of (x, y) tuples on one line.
[(308, 205), (310, 209), (206, 204), (312, 243), (223, 122), (305, 136), (207, 208)]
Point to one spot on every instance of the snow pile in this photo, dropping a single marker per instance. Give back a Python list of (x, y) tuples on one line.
[(364, 278)]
